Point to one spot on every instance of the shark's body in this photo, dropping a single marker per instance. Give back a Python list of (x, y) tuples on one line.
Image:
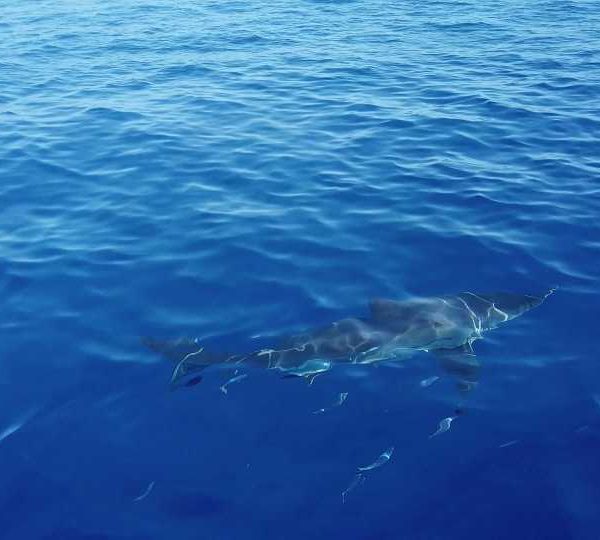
[(394, 330)]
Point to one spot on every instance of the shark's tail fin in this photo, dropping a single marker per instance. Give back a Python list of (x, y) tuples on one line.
[(190, 359), (174, 350)]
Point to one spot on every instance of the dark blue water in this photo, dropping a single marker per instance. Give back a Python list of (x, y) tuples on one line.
[(237, 170)]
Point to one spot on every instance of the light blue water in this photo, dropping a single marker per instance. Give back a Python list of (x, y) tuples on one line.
[(238, 170)]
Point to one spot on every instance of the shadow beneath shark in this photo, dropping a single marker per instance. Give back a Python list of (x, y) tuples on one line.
[(445, 326)]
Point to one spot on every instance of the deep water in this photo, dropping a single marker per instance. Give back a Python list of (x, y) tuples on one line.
[(235, 171)]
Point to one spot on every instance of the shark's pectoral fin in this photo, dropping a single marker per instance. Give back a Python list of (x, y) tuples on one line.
[(460, 362)]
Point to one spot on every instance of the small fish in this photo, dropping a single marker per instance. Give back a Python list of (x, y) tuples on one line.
[(381, 460), (145, 494), (356, 481), (509, 443), (341, 398), (233, 380), (429, 381), (444, 426)]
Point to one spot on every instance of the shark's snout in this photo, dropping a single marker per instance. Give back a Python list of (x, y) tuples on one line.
[(513, 304)]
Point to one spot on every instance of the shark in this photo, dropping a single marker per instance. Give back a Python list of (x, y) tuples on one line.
[(394, 330)]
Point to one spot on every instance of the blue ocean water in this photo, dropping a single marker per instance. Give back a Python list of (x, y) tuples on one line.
[(234, 171)]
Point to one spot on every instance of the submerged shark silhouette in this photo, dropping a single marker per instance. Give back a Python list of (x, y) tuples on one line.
[(446, 326)]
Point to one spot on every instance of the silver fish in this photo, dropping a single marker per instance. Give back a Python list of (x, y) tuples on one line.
[(235, 379), (145, 494), (381, 460), (444, 426), (429, 381)]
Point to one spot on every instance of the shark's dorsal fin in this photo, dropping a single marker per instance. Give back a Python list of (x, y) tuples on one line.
[(383, 309)]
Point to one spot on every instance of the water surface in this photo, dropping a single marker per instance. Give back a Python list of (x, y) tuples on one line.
[(239, 170)]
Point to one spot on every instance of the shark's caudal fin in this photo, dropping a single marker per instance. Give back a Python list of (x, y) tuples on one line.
[(174, 350), (189, 357)]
